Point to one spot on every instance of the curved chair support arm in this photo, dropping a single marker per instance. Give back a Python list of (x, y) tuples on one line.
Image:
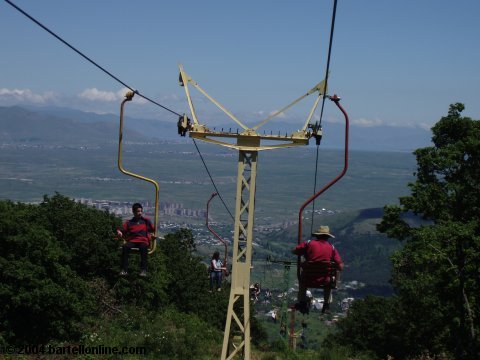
[(336, 100), (214, 232), (129, 97)]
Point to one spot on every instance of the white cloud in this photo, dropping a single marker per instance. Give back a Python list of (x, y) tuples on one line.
[(280, 116), (262, 113), (89, 100), (425, 126), (410, 124), (120, 95), (367, 122), (171, 98), (330, 120), (363, 122), (259, 113), (26, 95), (94, 94)]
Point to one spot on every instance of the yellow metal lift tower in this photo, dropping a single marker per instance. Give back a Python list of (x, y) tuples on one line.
[(248, 142)]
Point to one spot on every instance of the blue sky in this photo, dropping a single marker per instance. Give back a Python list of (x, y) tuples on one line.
[(398, 63)]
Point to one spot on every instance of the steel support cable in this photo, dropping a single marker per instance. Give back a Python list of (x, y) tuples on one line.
[(87, 58), (214, 233), (211, 179), (327, 70), (314, 188), (319, 124), (116, 79)]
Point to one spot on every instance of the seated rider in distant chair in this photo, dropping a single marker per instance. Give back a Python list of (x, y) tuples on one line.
[(137, 231), (255, 292), (216, 268), (317, 251)]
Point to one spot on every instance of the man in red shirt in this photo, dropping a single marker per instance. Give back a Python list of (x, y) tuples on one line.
[(137, 232), (318, 250)]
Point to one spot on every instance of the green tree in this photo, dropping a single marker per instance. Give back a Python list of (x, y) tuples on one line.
[(41, 297), (165, 334), (58, 283), (188, 287), (58, 271), (92, 251), (436, 273), (372, 326), (85, 233)]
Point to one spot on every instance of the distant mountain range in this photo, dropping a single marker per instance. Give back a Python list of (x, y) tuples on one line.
[(65, 126)]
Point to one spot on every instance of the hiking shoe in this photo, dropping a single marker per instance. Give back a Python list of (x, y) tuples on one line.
[(143, 273), (123, 273)]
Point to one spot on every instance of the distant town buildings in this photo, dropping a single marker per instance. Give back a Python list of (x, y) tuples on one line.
[(176, 216), (169, 211), (123, 208)]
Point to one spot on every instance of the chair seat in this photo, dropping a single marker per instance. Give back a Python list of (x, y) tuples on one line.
[(151, 246), (318, 274)]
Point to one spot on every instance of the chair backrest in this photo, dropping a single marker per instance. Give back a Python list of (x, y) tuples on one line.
[(318, 274)]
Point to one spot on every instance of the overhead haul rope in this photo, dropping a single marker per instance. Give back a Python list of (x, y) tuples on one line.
[(87, 58), (319, 124), (119, 81), (208, 172)]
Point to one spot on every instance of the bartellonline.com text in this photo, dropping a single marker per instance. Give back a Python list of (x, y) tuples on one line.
[(71, 350)]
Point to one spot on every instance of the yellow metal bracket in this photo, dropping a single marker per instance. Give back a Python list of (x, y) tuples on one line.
[(320, 87), (250, 138)]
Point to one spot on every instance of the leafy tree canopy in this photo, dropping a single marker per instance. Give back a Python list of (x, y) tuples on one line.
[(59, 265), (436, 273), (47, 253), (52, 256)]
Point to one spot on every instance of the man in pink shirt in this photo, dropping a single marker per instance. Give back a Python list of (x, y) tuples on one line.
[(317, 250)]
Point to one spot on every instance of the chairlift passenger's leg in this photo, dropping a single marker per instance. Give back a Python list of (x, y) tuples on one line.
[(327, 299), (143, 256), (212, 280), (327, 295), (302, 304), (302, 293), (125, 253)]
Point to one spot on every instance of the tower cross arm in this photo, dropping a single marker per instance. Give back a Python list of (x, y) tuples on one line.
[(185, 80), (320, 87)]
